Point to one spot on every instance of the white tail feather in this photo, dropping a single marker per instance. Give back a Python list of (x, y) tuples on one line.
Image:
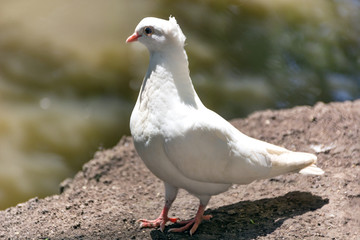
[(303, 163), (312, 170)]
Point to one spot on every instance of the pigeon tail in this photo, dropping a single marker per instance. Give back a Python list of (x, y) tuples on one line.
[(312, 170), (303, 163)]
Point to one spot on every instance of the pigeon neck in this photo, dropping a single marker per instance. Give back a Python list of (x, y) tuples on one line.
[(171, 67)]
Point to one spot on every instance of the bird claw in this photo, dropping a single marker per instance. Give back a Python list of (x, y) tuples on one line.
[(144, 223), (159, 222), (195, 222)]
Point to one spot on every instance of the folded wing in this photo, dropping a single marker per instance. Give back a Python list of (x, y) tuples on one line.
[(205, 152)]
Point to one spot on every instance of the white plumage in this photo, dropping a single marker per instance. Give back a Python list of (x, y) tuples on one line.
[(187, 145)]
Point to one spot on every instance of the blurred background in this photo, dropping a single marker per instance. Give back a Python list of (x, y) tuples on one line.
[(68, 81)]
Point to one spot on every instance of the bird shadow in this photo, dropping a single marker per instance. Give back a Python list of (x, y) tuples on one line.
[(249, 219)]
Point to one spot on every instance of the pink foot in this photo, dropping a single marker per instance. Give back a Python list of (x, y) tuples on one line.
[(195, 222), (159, 222), (188, 223)]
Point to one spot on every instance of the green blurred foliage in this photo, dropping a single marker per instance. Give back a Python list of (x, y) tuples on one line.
[(251, 55), (67, 89)]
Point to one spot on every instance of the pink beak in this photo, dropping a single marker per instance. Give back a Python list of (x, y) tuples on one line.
[(133, 38)]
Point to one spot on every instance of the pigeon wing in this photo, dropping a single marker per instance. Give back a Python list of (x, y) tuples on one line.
[(209, 153)]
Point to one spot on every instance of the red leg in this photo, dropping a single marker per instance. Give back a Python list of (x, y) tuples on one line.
[(170, 195), (195, 222)]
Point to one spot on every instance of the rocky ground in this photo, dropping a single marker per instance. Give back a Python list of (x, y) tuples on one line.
[(113, 190)]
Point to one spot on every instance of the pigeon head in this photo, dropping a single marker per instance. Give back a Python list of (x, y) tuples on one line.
[(157, 34)]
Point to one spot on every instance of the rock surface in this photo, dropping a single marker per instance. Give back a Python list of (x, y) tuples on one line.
[(113, 190)]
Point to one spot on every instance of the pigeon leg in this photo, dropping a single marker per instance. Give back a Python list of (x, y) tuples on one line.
[(195, 222), (159, 222), (170, 195)]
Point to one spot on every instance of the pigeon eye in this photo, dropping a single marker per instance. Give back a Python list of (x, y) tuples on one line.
[(148, 31)]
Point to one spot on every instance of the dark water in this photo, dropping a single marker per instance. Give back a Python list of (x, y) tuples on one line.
[(68, 81)]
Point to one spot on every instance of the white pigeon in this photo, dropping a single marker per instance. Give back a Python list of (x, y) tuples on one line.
[(187, 145)]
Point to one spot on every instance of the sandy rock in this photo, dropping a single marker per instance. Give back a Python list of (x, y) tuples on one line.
[(113, 190)]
